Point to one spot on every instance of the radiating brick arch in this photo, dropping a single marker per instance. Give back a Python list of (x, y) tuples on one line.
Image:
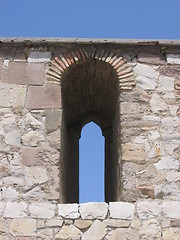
[(78, 56)]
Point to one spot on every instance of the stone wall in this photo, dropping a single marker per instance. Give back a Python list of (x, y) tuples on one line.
[(31, 164), (118, 220)]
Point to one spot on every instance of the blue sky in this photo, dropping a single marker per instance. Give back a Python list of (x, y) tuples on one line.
[(90, 19), (141, 19)]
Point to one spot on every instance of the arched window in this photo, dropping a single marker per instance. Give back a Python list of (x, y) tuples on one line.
[(91, 164), (90, 92)]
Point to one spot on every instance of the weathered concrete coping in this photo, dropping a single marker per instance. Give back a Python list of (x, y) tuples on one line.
[(139, 42)]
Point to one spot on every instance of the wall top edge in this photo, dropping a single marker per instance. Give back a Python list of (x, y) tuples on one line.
[(140, 42)]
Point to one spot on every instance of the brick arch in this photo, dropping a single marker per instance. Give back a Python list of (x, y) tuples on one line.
[(79, 55)]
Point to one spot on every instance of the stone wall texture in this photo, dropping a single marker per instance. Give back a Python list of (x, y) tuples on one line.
[(31, 165)]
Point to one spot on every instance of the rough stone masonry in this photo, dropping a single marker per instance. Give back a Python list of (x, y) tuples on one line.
[(49, 89)]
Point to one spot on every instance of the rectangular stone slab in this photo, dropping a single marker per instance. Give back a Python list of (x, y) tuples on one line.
[(40, 97)]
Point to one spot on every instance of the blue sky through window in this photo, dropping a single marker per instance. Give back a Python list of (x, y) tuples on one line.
[(91, 164)]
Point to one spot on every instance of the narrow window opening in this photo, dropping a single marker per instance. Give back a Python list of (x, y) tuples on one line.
[(91, 164)]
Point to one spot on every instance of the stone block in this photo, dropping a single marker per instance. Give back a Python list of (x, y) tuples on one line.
[(171, 209), (40, 97), (171, 234), (130, 108), (9, 193), (135, 224), (166, 84), (32, 138), (46, 233), (12, 95), (175, 223), (15, 210), (35, 175), (68, 210), (147, 209), (121, 210), (146, 71), (39, 156), (53, 119), (82, 224), (116, 223), (173, 176), (150, 229), (133, 152), (2, 205), (13, 138), (23, 73), (3, 226), (54, 139), (68, 232), (42, 210), (167, 163), (39, 57), (93, 210), (54, 222), (146, 83), (40, 223), (173, 58), (23, 227), (122, 233), (33, 122), (157, 104), (96, 231)]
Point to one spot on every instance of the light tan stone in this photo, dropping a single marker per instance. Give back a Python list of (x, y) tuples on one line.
[(15, 210), (133, 152), (157, 104), (135, 224), (82, 224), (42, 210), (116, 223), (121, 210), (54, 222), (23, 227), (122, 233), (33, 122), (68, 210), (146, 71), (171, 209), (2, 205), (171, 234), (68, 232), (12, 95), (35, 175), (3, 226), (150, 228), (96, 231), (46, 233), (93, 210), (39, 156), (147, 209), (9, 193), (32, 138), (40, 223)]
